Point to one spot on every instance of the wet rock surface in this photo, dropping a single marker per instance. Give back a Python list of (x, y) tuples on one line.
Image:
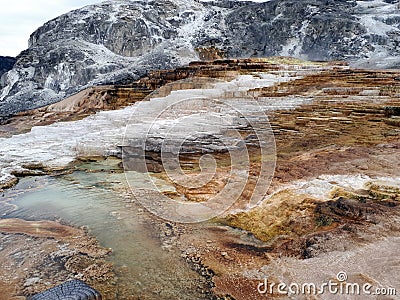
[(58, 256), (334, 193), (74, 139), (332, 204)]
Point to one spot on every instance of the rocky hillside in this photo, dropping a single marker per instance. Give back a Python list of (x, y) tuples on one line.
[(121, 40), (6, 64)]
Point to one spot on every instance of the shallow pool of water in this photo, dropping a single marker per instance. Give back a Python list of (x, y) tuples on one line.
[(144, 269)]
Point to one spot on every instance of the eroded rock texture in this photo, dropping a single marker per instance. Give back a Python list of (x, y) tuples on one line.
[(74, 289), (6, 64), (333, 204), (118, 41), (38, 255)]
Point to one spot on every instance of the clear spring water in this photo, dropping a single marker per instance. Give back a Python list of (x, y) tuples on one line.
[(144, 269)]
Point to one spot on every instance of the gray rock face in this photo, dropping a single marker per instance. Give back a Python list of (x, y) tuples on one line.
[(74, 290), (6, 64), (121, 40)]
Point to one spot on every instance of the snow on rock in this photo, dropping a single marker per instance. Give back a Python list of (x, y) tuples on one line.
[(120, 41)]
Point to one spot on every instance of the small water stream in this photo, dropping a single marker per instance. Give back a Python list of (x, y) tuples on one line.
[(87, 198)]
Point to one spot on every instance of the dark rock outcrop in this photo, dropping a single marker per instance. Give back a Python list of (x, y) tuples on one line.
[(6, 64), (121, 40), (74, 289)]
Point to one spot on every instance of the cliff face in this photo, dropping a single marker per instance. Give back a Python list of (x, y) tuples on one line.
[(118, 41)]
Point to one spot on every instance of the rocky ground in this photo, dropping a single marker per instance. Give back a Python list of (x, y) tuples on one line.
[(36, 256), (332, 205), (334, 194)]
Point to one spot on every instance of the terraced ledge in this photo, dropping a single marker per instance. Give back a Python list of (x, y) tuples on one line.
[(334, 195), (111, 97)]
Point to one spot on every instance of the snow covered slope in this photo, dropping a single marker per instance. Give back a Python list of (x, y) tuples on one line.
[(121, 40)]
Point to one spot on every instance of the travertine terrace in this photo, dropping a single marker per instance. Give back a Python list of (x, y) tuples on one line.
[(333, 202)]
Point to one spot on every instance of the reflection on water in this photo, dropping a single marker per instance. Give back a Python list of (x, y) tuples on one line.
[(144, 269)]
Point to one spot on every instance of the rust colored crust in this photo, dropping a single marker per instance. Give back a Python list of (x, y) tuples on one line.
[(43, 229)]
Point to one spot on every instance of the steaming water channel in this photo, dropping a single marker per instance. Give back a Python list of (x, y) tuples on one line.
[(144, 269)]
